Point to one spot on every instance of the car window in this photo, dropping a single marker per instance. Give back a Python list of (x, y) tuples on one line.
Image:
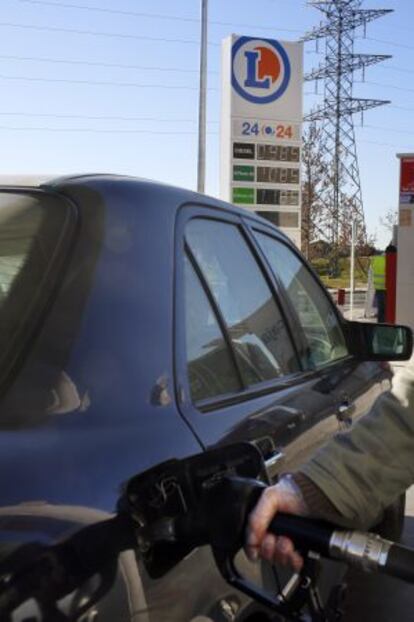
[(31, 226), (261, 344), (211, 370), (320, 324)]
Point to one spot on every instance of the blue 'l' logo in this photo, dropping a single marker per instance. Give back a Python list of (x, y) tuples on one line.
[(252, 58), (264, 73)]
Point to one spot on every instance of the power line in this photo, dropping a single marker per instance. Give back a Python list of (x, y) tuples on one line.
[(87, 63), (407, 109), (380, 144), (67, 5), (97, 117), (113, 83), (99, 131), (103, 83), (374, 39), (96, 33), (43, 59), (400, 69), (389, 86), (388, 129), (393, 43)]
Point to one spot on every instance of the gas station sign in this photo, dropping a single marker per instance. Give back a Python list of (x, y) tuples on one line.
[(261, 128), (405, 260), (407, 180)]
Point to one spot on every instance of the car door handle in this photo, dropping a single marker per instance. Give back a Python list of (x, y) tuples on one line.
[(275, 458), (287, 416), (345, 411), (271, 454)]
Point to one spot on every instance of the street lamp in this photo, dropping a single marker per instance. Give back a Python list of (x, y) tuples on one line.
[(352, 275), (201, 168)]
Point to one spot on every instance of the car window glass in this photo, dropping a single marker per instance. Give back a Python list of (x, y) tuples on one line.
[(257, 331), (31, 227), (320, 324), (210, 368)]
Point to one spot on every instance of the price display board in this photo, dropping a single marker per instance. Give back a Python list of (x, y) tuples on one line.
[(281, 219), (278, 153), (277, 175), (270, 196), (261, 128)]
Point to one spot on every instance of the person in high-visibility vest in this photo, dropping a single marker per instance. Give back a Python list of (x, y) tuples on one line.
[(378, 274)]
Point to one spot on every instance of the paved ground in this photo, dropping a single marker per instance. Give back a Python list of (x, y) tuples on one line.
[(358, 307), (358, 311), (379, 598)]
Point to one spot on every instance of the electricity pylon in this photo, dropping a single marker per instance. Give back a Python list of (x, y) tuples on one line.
[(342, 198)]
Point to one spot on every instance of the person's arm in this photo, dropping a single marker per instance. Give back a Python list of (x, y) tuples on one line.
[(363, 471), (353, 478)]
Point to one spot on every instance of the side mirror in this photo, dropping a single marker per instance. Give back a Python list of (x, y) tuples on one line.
[(379, 342)]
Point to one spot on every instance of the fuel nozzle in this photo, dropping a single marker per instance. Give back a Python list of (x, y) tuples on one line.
[(367, 551)]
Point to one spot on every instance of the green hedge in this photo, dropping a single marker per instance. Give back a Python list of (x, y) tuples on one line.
[(321, 266)]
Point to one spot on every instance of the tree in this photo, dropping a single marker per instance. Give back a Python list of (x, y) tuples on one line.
[(389, 220), (315, 177), (319, 222)]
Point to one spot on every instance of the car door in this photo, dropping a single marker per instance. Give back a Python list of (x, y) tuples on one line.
[(240, 368), (354, 384)]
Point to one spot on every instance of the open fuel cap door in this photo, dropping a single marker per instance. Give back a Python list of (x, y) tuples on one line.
[(169, 502)]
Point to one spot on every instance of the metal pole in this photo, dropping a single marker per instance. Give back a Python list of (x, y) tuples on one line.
[(338, 155), (201, 170), (352, 279)]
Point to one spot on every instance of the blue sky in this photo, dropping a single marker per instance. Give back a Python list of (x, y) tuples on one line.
[(127, 100)]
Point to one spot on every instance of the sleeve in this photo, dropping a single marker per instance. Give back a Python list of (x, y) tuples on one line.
[(317, 504), (363, 471)]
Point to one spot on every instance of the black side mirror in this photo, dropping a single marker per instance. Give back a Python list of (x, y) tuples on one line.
[(379, 342)]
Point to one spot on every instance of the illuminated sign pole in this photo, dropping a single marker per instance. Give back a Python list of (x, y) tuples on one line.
[(261, 128)]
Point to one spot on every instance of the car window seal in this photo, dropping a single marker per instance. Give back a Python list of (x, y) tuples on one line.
[(255, 391), (252, 392)]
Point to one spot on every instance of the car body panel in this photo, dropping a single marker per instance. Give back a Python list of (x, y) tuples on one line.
[(100, 395)]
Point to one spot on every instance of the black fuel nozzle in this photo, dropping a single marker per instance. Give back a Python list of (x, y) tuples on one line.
[(225, 507), (182, 504)]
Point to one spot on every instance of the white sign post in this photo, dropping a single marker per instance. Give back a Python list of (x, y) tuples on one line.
[(261, 128)]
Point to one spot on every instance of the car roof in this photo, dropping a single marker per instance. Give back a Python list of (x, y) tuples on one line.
[(102, 181)]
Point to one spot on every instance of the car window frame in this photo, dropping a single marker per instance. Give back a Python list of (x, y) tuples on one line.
[(21, 343), (185, 213), (255, 225)]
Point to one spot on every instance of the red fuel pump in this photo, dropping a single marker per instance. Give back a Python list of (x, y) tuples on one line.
[(390, 283), (340, 297)]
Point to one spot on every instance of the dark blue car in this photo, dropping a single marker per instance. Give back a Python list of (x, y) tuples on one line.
[(141, 322)]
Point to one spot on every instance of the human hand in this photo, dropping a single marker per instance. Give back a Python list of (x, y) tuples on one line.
[(285, 496)]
